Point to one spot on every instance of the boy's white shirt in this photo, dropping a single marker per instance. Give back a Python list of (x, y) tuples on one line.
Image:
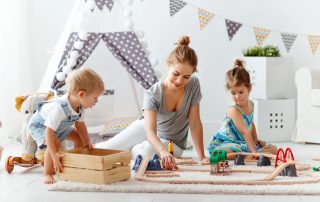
[(53, 113)]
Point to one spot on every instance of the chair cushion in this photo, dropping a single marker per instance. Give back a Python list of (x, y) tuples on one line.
[(315, 97)]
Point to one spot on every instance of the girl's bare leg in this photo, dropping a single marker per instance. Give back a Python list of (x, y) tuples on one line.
[(230, 154), (272, 149)]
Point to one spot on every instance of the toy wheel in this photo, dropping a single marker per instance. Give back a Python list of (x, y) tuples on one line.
[(9, 165)]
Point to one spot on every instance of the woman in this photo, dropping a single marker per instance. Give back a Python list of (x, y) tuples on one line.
[(170, 107)]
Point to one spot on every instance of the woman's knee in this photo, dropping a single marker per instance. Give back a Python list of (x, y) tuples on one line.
[(144, 149)]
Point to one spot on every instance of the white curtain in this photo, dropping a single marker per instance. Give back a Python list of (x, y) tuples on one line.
[(15, 68)]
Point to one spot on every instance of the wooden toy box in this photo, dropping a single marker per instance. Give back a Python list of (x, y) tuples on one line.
[(98, 166)]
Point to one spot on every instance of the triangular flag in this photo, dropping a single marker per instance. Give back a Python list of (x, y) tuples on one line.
[(314, 41), (232, 28), (288, 39), (204, 17), (261, 34), (109, 4), (100, 4), (175, 6)]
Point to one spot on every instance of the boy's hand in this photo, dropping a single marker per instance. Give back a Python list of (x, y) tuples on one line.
[(89, 145), (57, 163)]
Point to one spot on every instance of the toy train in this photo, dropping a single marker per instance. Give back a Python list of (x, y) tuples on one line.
[(218, 161)]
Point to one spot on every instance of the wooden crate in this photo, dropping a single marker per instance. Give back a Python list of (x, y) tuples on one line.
[(98, 166)]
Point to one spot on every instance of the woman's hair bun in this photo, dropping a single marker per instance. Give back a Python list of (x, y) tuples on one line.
[(183, 41)]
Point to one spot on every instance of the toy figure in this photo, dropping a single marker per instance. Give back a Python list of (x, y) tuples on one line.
[(31, 154)]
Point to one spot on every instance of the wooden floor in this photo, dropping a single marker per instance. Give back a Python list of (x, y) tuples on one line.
[(25, 185)]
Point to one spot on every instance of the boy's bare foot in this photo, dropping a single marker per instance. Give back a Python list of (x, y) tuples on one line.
[(48, 179)]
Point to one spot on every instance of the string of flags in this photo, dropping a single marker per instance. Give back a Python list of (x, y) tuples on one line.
[(233, 27)]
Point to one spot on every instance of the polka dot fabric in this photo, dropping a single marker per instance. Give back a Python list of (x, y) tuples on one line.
[(101, 3), (88, 47), (125, 46)]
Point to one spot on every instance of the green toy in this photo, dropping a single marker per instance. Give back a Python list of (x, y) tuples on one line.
[(218, 156), (218, 160)]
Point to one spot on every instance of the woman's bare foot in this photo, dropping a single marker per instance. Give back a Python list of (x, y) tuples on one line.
[(48, 179)]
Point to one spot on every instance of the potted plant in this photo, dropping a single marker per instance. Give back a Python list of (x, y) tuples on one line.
[(271, 74), (267, 51)]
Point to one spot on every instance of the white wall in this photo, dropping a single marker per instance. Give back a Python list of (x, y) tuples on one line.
[(46, 21), (215, 51)]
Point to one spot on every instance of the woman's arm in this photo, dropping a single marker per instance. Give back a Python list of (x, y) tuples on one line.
[(150, 125), (236, 117), (196, 130)]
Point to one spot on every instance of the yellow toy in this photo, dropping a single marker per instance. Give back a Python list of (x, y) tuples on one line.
[(170, 147)]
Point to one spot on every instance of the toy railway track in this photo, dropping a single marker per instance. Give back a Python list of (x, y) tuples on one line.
[(149, 176), (283, 162)]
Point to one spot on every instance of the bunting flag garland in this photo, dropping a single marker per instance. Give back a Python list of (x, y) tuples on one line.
[(314, 41), (288, 39), (175, 6), (261, 35), (204, 17), (232, 28)]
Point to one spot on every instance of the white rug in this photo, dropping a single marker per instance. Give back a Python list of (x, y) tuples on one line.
[(133, 185)]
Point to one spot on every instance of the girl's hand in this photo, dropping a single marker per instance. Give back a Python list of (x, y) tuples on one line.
[(57, 163), (167, 160), (260, 143)]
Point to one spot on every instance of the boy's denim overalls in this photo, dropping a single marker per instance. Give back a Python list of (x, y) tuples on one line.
[(37, 127)]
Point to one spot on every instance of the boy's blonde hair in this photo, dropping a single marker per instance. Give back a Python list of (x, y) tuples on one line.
[(183, 54), (84, 79), (238, 75)]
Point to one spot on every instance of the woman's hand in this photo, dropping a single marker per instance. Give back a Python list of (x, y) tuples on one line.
[(204, 160), (167, 160)]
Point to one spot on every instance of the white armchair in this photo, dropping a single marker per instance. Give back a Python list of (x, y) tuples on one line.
[(308, 105)]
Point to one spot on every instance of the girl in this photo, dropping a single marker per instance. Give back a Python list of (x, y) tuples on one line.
[(170, 108), (238, 132)]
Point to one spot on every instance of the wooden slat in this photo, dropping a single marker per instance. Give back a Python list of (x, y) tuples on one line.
[(95, 159), (95, 176)]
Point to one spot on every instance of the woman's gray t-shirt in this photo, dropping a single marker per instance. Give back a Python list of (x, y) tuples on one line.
[(173, 125)]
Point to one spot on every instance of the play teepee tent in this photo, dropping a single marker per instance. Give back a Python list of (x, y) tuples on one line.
[(100, 34)]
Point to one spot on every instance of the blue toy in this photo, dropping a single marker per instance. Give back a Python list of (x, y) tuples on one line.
[(154, 163)]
